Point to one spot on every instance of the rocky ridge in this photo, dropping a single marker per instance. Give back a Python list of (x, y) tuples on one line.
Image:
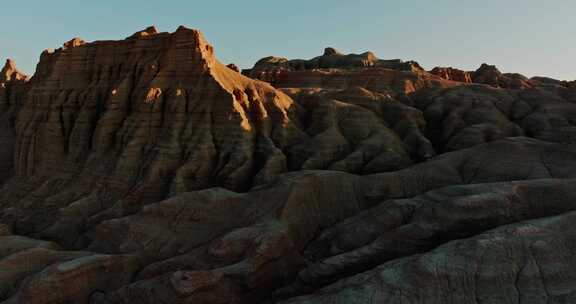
[(336, 70), (145, 171)]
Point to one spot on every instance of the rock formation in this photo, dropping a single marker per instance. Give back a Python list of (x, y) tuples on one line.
[(145, 171), (156, 115), (332, 58), (13, 90), (487, 74), (336, 70), (490, 75), (10, 73), (233, 67), (453, 74)]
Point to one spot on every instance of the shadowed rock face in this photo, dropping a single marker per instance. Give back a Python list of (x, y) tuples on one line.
[(514, 263), (108, 127), (490, 75), (335, 70), (135, 99), (465, 116), (145, 171), (13, 90), (332, 58)]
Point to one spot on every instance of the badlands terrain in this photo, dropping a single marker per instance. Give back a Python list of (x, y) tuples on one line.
[(144, 170)]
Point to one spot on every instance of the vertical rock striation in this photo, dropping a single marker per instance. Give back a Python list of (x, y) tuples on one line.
[(107, 127), (13, 89)]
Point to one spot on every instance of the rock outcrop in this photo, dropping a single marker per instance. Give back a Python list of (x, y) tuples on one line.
[(111, 126), (526, 262), (453, 74), (233, 67), (461, 109), (151, 30), (10, 73), (332, 59), (490, 75), (465, 116), (13, 90), (486, 74), (145, 171), (274, 245), (336, 70)]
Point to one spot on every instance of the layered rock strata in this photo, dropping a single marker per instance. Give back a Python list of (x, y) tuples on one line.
[(13, 90), (145, 171)]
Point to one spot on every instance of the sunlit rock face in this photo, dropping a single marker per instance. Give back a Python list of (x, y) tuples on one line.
[(145, 171), (110, 126), (157, 102)]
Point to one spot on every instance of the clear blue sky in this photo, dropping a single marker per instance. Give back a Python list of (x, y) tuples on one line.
[(532, 37)]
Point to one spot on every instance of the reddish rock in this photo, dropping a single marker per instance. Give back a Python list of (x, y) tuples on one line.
[(379, 80), (233, 67), (74, 42), (453, 74), (490, 75), (334, 70), (489, 258), (14, 87), (10, 73), (76, 280), (174, 117), (149, 31), (333, 59), (25, 263), (159, 115), (269, 252), (5, 230), (145, 171)]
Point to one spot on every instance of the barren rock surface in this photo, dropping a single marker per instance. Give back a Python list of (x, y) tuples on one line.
[(145, 171), (453, 74)]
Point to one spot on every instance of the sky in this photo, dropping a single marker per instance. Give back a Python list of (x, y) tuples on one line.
[(524, 36)]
